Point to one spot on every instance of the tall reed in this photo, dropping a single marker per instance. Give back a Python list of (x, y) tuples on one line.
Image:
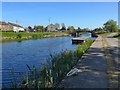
[(51, 74)]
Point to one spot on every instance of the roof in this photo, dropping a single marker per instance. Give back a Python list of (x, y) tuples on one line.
[(51, 25), (5, 23), (14, 24)]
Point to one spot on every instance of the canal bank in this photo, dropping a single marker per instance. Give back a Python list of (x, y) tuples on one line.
[(35, 52), (22, 36), (93, 69)]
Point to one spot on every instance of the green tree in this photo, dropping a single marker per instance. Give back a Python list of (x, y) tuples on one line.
[(79, 28), (63, 26), (111, 26), (71, 28), (68, 28), (98, 29), (57, 26), (40, 28), (30, 29)]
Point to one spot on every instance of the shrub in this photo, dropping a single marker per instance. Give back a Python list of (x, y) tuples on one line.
[(19, 36), (34, 36), (21, 31), (7, 31)]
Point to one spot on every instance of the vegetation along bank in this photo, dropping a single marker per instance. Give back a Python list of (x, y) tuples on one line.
[(52, 73), (19, 36)]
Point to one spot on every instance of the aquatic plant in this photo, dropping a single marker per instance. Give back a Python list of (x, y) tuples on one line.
[(52, 73)]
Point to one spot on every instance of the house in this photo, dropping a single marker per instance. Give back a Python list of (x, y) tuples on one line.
[(4, 26), (51, 27), (16, 28)]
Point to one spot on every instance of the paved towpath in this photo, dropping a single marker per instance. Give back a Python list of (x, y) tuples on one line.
[(100, 65), (94, 64)]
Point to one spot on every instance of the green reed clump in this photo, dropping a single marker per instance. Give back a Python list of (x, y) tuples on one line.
[(81, 49), (18, 36), (34, 36), (51, 74)]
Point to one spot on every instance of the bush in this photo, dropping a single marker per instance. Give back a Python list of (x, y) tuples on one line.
[(21, 31), (19, 36), (7, 31), (34, 36), (117, 36)]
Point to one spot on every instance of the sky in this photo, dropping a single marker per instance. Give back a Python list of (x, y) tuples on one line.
[(60, 0), (78, 14)]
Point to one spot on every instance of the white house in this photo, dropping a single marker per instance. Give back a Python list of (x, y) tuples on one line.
[(17, 29), (21, 29)]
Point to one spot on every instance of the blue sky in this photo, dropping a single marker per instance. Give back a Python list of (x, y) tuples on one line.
[(82, 14)]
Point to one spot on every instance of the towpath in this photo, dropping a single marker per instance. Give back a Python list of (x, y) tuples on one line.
[(94, 64)]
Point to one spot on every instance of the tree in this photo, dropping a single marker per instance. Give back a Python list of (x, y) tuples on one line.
[(71, 28), (79, 28), (98, 29), (39, 28), (68, 28), (63, 26), (35, 27), (111, 26), (30, 29), (57, 26)]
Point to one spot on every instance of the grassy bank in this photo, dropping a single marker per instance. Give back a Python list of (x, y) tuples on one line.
[(20, 36), (51, 74), (104, 34), (117, 36)]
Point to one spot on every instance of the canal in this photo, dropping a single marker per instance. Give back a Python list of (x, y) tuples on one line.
[(16, 55)]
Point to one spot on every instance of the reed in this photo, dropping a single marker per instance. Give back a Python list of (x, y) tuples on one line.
[(52, 73)]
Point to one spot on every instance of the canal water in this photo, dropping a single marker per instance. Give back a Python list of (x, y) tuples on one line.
[(16, 55)]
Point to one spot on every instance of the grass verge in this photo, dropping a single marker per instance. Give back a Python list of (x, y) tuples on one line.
[(117, 36), (20, 36)]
